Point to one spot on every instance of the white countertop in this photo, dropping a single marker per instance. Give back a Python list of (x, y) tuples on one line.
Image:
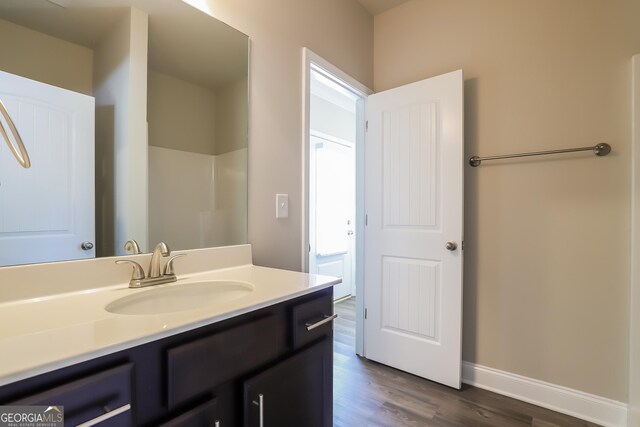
[(39, 335)]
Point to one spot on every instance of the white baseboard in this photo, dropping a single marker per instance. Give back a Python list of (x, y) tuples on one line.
[(576, 403)]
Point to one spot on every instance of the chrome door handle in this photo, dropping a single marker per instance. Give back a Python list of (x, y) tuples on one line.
[(106, 416), (451, 246), (86, 246), (327, 319)]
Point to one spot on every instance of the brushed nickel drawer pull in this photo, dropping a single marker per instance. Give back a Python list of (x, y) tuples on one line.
[(260, 405), (106, 416), (327, 319)]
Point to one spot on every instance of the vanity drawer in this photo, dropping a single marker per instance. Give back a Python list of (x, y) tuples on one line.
[(199, 366), (312, 320), (205, 414), (103, 396)]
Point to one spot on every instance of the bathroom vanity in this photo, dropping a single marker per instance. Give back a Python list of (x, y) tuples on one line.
[(261, 358), (227, 344)]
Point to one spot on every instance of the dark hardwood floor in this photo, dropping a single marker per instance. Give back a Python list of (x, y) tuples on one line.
[(370, 394)]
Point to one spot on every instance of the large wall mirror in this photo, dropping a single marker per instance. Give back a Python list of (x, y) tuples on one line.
[(134, 116)]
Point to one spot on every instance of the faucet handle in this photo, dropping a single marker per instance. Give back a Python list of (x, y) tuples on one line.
[(132, 246), (168, 268), (138, 271)]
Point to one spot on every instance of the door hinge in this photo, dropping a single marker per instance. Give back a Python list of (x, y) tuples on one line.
[(365, 314), (366, 126), (309, 247), (366, 219)]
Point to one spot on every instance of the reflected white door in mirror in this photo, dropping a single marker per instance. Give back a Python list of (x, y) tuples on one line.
[(47, 211)]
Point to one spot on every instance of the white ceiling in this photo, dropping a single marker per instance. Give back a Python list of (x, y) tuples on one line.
[(376, 7)]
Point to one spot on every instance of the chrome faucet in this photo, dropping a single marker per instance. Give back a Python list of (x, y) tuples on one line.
[(161, 250), (138, 278)]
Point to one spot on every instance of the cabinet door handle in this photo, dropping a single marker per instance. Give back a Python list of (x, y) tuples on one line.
[(260, 405), (327, 319), (106, 416)]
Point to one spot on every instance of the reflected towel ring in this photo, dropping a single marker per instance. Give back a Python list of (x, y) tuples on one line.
[(19, 152)]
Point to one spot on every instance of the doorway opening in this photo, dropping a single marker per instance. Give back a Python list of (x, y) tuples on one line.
[(332, 183), (334, 175)]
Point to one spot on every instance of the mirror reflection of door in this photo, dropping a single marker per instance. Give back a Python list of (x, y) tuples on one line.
[(47, 211), (332, 176)]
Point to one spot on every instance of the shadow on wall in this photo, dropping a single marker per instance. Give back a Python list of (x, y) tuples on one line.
[(104, 184), (471, 204)]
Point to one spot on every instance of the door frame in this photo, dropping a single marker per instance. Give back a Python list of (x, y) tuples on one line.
[(311, 60)]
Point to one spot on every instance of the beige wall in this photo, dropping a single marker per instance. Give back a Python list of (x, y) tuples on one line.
[(546, 239), (232, 113), (47, 59), (181, 114), (338, 30)]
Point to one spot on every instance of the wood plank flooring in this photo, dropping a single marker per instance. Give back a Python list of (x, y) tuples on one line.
[(370, 394)]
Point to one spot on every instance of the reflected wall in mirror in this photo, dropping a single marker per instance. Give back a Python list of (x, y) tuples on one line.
[(134, 113)]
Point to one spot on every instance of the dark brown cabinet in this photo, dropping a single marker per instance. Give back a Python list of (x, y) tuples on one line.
[(222, 356), (295, 392), (104, 397), (206, 414), (211, 376)]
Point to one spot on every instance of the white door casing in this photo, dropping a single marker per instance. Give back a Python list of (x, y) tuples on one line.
[(47, 211), (414, 206)]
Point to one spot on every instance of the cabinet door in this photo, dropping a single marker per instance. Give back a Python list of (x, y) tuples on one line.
[(295, 392), (205, 415)]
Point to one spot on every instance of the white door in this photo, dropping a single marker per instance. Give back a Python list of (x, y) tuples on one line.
[(47, 211), (332, 210), (413, 202)]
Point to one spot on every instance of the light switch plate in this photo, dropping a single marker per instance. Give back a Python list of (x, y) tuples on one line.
[(282, 206)]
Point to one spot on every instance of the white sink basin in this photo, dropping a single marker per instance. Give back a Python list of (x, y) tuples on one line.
[(179, 297)]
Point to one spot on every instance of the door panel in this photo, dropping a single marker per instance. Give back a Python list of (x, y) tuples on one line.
[(48, 209), (410, 290), (413, 201), (410, 167)]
